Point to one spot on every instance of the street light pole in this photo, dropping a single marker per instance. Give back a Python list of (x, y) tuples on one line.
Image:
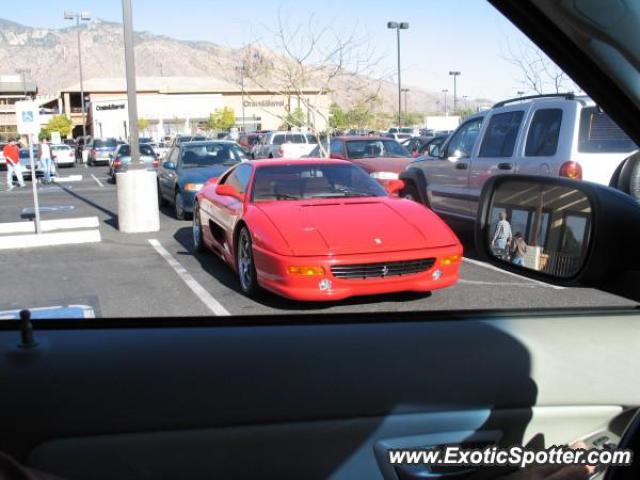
[(70, 15), (399, 26), (446, 110), (455, 74)]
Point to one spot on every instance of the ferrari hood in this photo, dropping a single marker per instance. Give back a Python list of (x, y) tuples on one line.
[(348, 227)]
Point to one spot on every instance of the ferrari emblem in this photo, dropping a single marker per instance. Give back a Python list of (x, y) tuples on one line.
[(385, 271), (377, 241)]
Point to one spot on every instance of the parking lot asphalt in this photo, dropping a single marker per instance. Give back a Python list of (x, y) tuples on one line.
[(157, 274)]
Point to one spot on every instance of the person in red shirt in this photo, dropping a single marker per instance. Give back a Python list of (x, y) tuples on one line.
[(12, 155)]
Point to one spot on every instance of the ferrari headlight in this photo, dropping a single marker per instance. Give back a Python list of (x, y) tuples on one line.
[(192, 187), (384, 175)]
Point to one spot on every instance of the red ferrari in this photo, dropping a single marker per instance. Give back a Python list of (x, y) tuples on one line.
[(321, 229)]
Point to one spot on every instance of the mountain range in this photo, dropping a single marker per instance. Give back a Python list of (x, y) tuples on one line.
[(50, 55)]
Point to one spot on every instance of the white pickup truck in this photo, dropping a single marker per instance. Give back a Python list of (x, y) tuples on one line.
[(290, 145)]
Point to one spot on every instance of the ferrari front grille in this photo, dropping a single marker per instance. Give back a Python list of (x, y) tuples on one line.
[(382, 270)]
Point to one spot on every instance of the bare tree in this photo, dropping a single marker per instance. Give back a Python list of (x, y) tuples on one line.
[(306, 63), (537, 72)]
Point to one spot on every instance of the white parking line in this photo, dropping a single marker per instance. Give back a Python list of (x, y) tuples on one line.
[(491, 267), (96, 179), (206, 298)]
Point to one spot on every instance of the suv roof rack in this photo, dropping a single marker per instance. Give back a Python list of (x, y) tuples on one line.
[(568, 96)]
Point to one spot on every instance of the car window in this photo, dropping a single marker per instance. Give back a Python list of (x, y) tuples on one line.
[(544, 132), (175, 155), (337, 146), (296, 138), (111, 143), (278, 139), (198, 155), (462, 142), (375, 148), (239, 178), (312, 138), (599, 134), (296, 182), (501, 134)]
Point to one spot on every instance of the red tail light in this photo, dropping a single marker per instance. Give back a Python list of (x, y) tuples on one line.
[(117, 163), (281, 152), (155, 163), (571, 170)]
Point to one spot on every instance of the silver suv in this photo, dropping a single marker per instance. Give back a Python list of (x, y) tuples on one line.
[(558, 135)]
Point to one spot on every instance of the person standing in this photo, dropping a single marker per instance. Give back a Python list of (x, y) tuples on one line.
[(502, 236), (12, 155), (45, 159), (518, 249)]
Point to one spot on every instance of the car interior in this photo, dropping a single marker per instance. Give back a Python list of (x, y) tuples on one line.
[(316, 396)]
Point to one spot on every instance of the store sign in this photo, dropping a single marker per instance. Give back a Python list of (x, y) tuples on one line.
[(111, 106), (27, 117), (264, 103)]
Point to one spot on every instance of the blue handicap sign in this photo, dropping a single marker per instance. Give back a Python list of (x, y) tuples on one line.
[(27, 116)]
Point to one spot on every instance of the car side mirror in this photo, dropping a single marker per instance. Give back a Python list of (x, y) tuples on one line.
[(226, 190), (337, 156), (557, 230), (169, 165)]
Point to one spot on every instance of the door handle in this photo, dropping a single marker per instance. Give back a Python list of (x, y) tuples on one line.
[(462, 166), (505, 166)]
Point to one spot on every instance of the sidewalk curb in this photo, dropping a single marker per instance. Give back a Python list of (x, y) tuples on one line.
[(31, 240)]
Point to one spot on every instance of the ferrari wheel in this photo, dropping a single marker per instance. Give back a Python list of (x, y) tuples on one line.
[(246, 267), (198, 244)]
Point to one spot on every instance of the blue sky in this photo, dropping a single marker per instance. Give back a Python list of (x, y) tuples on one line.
[(465, 35)]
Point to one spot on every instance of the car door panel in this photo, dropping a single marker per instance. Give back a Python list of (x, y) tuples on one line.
[(448, 176), (231, 399)]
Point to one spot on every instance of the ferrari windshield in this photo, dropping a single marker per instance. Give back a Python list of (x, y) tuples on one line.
[(201, 155), (296, 182), (375, 148)]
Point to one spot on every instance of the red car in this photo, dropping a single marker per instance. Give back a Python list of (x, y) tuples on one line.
[(321, 230), (383, 158)]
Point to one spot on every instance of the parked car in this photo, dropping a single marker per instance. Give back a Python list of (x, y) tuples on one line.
[(187, 138), (558, 135), (122, 159), (248, 141), (263, 207), (25, 162), (63, 155), (188, 166), (289, 145), (101, 150), (161, 149), (398, 137), (382, 158)]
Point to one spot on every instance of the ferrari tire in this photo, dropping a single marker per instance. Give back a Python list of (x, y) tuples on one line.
[(245, 264), (196, 228)]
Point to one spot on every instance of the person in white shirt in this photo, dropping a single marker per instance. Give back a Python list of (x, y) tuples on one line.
[(502, 235), (45, 160)]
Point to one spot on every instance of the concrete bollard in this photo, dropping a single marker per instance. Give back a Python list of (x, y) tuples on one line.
[(138, 210)]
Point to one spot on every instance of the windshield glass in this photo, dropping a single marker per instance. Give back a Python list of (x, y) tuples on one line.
[(375, 148), (110, 143), (296, 182), (125, 151), (599, 134), (209, 154)]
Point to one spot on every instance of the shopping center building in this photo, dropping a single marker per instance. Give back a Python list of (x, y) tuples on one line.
[(171, 105)]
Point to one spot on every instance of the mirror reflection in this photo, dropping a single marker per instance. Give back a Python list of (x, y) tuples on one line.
[(540, 227)]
